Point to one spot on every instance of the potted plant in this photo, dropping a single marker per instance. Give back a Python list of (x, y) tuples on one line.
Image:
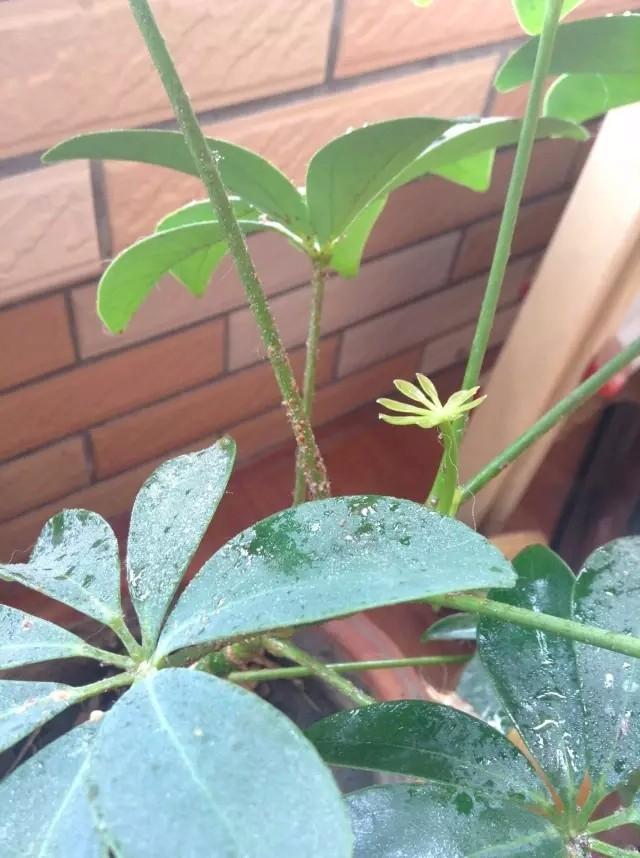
[(186, 760)]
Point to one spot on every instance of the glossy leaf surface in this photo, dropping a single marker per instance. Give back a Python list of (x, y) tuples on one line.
[(25, 639), (531, 13), (427, 740), (329, 558), (169, 518), (595, 46), (478, 138), (75, 561), (243, 172), (580, 97), (434, 821), (535, 673), (455, 627), (476, 688), (24, 706), (188, 764), (347, 174), (45, 810), (607, 595), (348, 250)]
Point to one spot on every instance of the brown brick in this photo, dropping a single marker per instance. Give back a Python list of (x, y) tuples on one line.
[(209, 409), (48, 230), (382, 283), (78, 65), (35, 339), (66, 403), (32, 480), (140, 195), (413, 324), (171, 306), (379, 33), (453, 347), (536, 225), (433, 206)]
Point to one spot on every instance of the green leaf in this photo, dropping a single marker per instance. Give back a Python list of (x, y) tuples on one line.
[(473, 172), (75, 561), (25, 639), (535, 673), (45, 811), (580, 97), (427, 740), (410, 821), (194, 250), (244, 173), (189, 764), (348, 249), (350, 172), (595, 46), (462, 142), (169, 518), (531, 13), (325, 559), (476, 688), (599, 847), (196, 271), (25, 706), (607, 595), (455, 627)]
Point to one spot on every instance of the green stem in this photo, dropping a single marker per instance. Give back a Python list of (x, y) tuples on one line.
[(286, 649), (627, 816), (448, 483), (121, 629), (84, 692), (106, 657), (311, 361), (562, 409), (205, 160), (603, 638), (612, 851), (267, 674), (509, 218)]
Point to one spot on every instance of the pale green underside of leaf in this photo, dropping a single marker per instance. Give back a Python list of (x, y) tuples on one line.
[(580, 97), (452, 628), (170, 516), (25, 639), (193, 251), (45, 810), (243, 172), (531, 13), (329, 558), (347, 251), (435, 821), (594, 46), (186, 764), (75, 561), (430, 741)]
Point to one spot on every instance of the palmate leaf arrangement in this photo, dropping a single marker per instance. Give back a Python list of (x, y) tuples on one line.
[(188, 762)]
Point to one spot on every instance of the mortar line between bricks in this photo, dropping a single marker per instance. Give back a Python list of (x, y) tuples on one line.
[(28, 161), (73, 334), (565, 186), (335, 38), (229, 427), (225, 315)]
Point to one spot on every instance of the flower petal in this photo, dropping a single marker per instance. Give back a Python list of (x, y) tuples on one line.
[(411, 391), (398, 421), (429, 388), (461, 396), (405, 407)]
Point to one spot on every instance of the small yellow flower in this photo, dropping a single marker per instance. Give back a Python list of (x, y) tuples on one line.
[(430, 412)]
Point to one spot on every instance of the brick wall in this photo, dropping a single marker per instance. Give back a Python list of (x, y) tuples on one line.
[(85, 415)]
